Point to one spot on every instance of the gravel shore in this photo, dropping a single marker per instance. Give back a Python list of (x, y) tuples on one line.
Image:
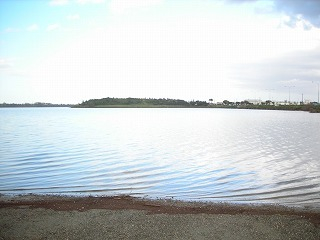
[(54, 217)]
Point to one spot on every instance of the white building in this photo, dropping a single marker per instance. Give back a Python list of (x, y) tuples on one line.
[(254, 101)]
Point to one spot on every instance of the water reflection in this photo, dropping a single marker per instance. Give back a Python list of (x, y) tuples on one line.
[(190, 154)]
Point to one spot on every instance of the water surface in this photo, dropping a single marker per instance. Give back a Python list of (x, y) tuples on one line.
[(247, 156)]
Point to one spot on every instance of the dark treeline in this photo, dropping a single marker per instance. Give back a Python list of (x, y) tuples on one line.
[(136, 102), (37, 104)]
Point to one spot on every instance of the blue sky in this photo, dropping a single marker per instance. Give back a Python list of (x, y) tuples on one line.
[(67, 51)]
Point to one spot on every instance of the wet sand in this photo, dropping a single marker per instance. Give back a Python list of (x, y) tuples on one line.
[(57, 217)]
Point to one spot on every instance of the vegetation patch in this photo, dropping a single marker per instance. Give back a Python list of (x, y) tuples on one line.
[(139, 103)]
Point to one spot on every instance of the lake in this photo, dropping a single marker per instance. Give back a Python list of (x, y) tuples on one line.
[(237, 156)]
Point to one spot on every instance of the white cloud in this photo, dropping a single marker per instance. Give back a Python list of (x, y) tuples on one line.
[(297, 68), (89, 1), (5, 63), (11, 30), (58, 2), (65, 2), (33, 27), (189, 58), (123, 6), (53, 27), (298, 13), (193, 51), (296, 22), (73, 17)]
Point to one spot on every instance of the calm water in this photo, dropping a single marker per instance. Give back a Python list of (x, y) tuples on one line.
[(190, 154)]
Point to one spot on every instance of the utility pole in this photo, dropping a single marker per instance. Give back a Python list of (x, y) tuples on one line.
[(318, 89), (289, 91)]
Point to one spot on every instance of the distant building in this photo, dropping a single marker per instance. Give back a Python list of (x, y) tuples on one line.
[(281, 103), (254, 101)]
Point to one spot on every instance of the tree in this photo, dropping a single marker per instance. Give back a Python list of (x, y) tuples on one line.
[(226, 102)]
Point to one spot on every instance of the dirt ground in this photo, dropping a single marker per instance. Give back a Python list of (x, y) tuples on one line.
[(56, 217)]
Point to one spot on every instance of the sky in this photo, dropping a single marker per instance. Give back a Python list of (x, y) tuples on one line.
[(69, 51)]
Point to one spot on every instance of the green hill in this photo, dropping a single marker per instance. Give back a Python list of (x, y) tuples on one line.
[(139, 103)]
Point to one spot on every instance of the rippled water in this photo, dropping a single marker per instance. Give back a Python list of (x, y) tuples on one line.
[(190, 154)]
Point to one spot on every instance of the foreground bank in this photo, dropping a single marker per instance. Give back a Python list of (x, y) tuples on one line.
[(53, 217)]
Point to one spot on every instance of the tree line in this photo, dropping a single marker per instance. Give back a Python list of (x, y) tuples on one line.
[(37, 104), (140, 102)]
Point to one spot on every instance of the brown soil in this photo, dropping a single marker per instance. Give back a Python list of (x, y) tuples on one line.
[(57, 217), (60, 203)]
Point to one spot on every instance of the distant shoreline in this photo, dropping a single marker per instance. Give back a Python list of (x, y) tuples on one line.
[(178, 103), (139, 106), (304, 108), (33, 105), (169, 103), (294, 108)]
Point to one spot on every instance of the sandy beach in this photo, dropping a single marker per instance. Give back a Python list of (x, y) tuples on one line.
[(56, 217)]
